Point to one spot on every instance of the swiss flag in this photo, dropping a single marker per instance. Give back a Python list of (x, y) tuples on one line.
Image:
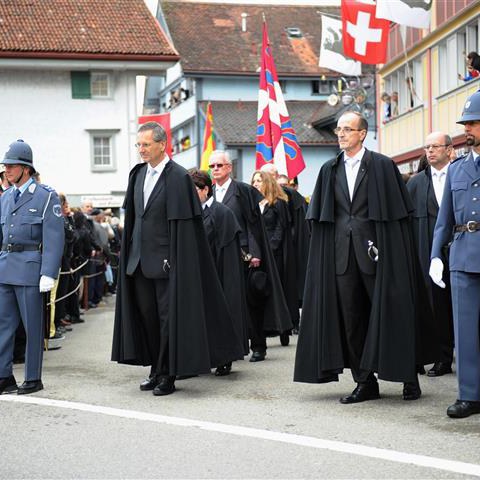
[(365, 37)]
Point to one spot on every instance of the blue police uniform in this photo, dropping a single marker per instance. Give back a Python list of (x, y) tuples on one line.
[(457, 223), (31, 239)]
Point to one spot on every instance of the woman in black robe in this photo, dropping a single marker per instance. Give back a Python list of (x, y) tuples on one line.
[(275, 213)]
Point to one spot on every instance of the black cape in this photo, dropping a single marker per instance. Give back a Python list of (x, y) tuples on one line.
[(276, 315), (301, 237), (400, 317), (223, 232), (285, 255), (201, 332)]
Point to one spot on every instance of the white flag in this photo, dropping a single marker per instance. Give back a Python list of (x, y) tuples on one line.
[(331, 49), (413, 13)]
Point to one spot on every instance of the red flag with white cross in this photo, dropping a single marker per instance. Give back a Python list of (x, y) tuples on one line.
[(365, 37)]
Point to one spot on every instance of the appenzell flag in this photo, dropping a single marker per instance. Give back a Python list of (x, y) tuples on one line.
[(276, 140)]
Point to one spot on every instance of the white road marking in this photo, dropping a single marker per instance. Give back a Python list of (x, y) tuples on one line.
[(293, 439)]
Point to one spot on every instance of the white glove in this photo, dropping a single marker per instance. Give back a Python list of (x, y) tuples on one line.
[(46, 283), (436, 272)]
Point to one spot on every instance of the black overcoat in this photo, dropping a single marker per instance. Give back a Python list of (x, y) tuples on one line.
[(223, 232), (400, 315), (301, 236), (201, 332), (278, 224)]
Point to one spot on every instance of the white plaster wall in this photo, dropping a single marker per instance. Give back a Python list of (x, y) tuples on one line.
[(38, 107)]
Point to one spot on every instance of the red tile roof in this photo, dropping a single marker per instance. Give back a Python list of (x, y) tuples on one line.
[(236, 122), (82, 28), (209, 37)]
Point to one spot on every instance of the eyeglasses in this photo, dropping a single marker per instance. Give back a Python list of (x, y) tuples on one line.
[(216, 165), (339, 130), (143, 145), (434, 146)]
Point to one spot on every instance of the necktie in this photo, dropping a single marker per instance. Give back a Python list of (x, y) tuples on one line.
[(149, 186), (16, 194)]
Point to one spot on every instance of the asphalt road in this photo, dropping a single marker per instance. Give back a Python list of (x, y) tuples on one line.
[(92, 421)]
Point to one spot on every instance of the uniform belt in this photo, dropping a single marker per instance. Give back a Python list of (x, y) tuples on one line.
[(470, 227), (14, 247)]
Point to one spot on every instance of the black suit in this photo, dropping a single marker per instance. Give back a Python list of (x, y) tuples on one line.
[(148, 264), (250, 235), (355, 270), (425, 215)]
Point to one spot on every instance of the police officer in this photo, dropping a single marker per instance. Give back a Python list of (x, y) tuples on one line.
[(31, 239), (460, 214)]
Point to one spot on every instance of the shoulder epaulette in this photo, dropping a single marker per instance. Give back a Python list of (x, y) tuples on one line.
[(461, 157), (46, 187)]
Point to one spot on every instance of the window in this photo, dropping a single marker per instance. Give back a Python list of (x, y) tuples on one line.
[(102, 145), (321, 87), (182, 138), (90, 85), (283, 85), (100, 85), (405, 87)]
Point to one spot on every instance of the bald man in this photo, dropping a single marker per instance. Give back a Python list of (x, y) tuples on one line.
[(426, 189)]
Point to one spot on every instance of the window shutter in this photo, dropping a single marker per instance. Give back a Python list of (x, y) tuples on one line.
[(80, 84)]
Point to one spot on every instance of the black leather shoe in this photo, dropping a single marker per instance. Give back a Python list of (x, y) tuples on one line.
[(149, 383), (165, 387), (363, 392), (463, 408), (285, 339), (8, 385), (411, 390), (30, 386), (439, 369), (258, 356), (223, 370)]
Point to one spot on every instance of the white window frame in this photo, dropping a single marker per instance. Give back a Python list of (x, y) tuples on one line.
[(109, 135), (96, 75)]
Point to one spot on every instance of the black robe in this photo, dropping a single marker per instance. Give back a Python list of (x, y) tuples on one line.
[(278, 224), (201, 332), (301, 237), (400, 316), (276, 316), (223, 231)]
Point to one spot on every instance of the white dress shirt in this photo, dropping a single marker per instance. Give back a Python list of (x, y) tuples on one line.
[(151, 179), (352, 165), (221, 190), (438, 180), (208, 203)]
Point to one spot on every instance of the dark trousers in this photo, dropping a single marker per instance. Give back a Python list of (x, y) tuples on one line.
[(256, 308), (355, 292), (152, 301), (96, 284), (442, 307)]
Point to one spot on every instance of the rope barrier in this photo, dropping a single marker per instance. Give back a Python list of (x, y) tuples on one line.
[(75, 269)]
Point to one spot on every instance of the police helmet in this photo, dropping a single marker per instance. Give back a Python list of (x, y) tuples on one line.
[(19, 153), (471, 110)]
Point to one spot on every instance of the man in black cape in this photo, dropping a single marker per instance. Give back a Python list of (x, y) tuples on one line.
[(426, 189), (363, 295), (223, 233), (171, 312), (267, 308)]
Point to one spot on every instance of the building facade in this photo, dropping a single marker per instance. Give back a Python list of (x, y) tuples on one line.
[(220, 45), (68, 76), (433, 63)]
